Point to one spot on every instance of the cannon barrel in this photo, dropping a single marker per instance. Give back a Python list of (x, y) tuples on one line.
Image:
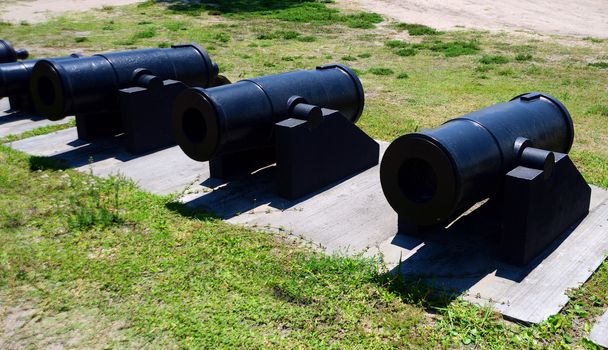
[(8, 53), (15, 76), (91, 84), (432, 176), (241, 116)]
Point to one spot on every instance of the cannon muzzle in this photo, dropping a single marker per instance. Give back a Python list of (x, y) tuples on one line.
[(15, 76), (9, 54), (91, 84), (431, 177), (241, 116)]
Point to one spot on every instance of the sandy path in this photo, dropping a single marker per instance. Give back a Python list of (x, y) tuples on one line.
[(39, 10), (565, 17)]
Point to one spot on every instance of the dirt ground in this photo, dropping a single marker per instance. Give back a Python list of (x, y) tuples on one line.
[(34, 11), (564, 17)]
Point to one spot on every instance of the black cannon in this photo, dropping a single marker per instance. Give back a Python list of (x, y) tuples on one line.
[(15, 82), (302, 120), (102, 90), (513, 152), (8, 53)]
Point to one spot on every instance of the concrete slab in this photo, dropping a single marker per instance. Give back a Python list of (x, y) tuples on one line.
[(14, 123), (353, 217), (599, 333), (162, 172)]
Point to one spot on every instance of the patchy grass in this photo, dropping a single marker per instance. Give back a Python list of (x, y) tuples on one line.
[(38, 131), (381, 71), (153, 274), (416, 29), (494, 59), (601, 64), (523, 57)]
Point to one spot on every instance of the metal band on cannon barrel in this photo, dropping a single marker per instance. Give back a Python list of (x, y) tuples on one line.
[(91, 84), (8, 54), (432, 176), (241, 116), (15, 77)]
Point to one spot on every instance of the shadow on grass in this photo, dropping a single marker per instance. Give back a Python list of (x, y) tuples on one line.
[(233, 6), (46, 163), (189, 212), (415, 290)]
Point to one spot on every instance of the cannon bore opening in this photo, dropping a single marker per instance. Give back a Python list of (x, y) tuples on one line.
[(194, 125), (46, 90), (417, 180)]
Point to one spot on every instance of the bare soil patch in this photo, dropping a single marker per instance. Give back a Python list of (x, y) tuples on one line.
[(562, 17), (33, 11)]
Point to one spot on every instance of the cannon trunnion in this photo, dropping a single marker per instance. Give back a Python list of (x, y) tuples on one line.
[(514, 153)]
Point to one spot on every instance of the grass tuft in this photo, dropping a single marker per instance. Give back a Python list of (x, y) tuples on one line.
[(494, 59), (523, 57), (149, 32), (406, 51), (380, 71), (416, 29), (599, 109), (453, 48), (601, 64)]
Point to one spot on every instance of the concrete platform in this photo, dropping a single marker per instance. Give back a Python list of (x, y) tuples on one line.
[(599, 332), (162, 172), (353, 217), (14, 123)]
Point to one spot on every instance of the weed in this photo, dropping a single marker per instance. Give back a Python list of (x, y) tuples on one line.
[(380, 71), (221, 37), (149, 32), (600, 64), (598, 109), (396, 44), (174, 26), (494, 59), (416, 29), (403, 75), (506, 72), (279, 34), (452, 48), (523, 57), (594, 40), (406, 51), (307, 38), (349, 58)]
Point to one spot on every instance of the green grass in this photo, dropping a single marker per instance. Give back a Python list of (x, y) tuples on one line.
[(381, 71), (416, 29), (104, 264), (494, 59), (523, 57), (600, 64)]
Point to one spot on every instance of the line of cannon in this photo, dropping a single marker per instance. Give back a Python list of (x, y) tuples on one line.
[(513, 154)]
